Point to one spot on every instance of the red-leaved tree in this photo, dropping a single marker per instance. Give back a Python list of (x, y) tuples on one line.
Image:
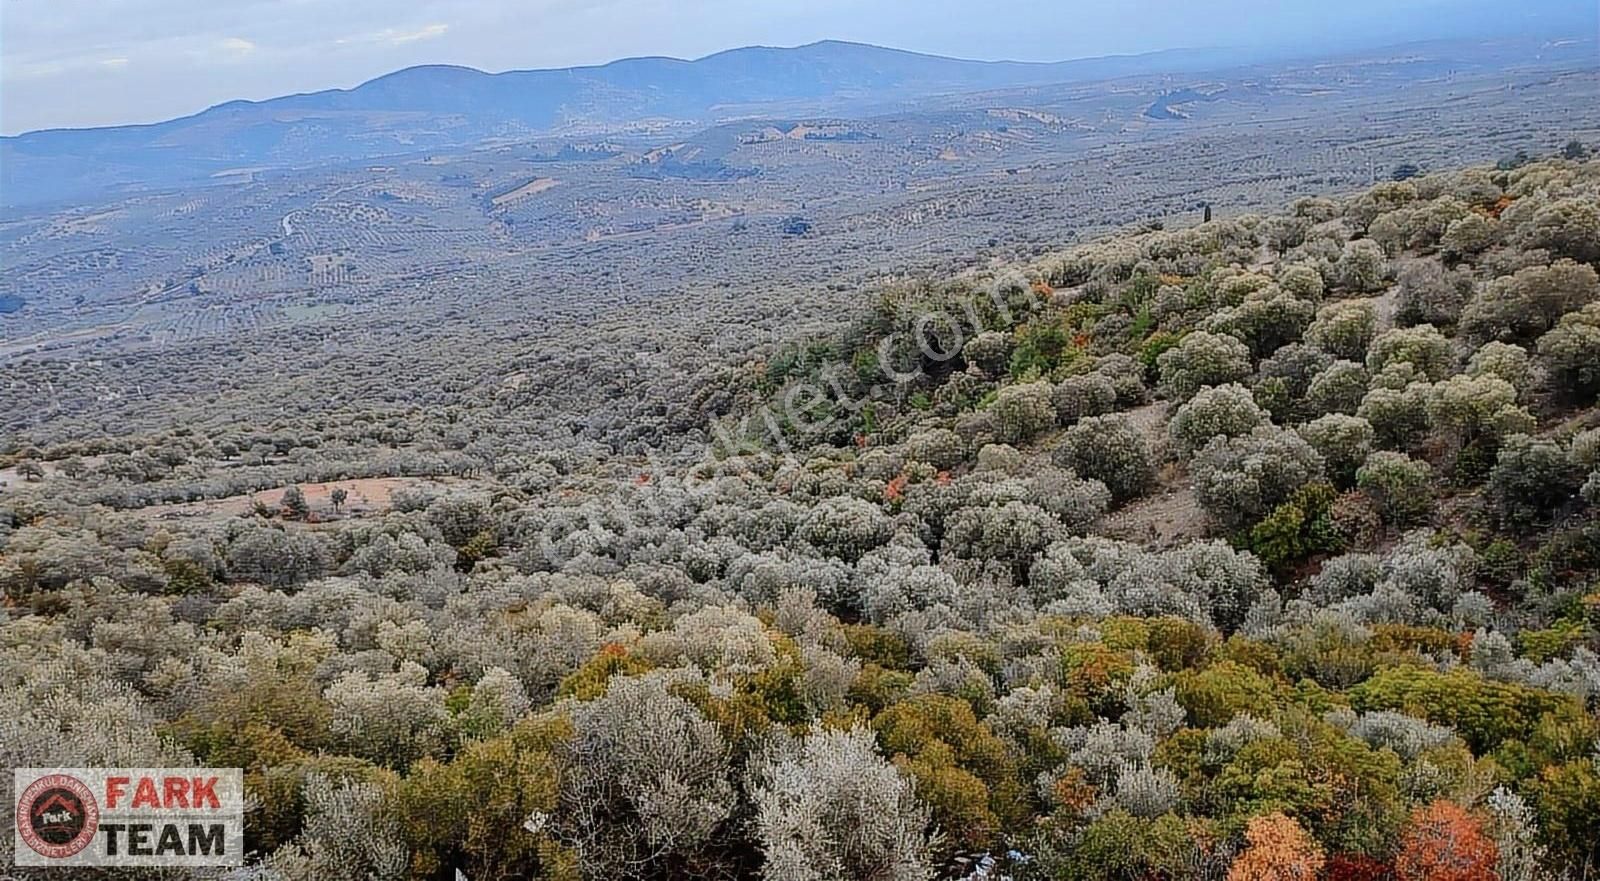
[(1445, 843), (1279, 850)]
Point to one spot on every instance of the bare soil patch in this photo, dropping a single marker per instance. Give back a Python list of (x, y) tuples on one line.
[(1171, 514), (366, 496), (531, 188)]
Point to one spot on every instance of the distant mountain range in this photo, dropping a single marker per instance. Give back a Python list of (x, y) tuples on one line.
[(438, 107)]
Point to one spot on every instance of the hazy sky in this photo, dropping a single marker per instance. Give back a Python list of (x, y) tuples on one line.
[(99, 62)]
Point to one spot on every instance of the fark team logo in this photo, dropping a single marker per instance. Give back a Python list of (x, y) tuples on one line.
[(57, 816), (129, 817)]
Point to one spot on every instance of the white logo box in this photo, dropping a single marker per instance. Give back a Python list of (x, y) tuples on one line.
[(128, 816)]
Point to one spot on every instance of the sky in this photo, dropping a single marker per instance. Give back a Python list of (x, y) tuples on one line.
[(72, 63)]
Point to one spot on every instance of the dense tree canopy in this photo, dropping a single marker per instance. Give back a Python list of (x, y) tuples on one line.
[(1262, 548)]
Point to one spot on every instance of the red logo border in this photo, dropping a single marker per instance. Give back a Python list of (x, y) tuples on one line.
[(91, 816)]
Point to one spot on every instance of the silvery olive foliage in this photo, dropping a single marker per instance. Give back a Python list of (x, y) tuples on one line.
[(1362, 267), (1021, 412), (828, 806), (1111, 450), (1344, 442), (1399, 417), (1012, 532), (1570, 354), (1477, 406), (1419, 582), (1429, 293), (1520, 307), (1344, 329), (1469, 236), (1222, 744), (989, 351), (939, 447), (1504, 361), (1520, 856), (1087, 394), (1266, 320), (1202, 359), (1585, 448), (1302, 280), (1240, 480), (845, 527), (1408, 736), (646, 779), (1220, 411), (1144, 791), (349, 833), (1337, 388), (389, 718), (1205, 582), (1423, 347), (1127, 378), (1400, 484), (1283, 380), (1532, 479), (781, 618)]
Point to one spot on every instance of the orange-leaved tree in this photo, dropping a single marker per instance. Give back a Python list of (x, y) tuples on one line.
[(1445, 843), (1279, 850)]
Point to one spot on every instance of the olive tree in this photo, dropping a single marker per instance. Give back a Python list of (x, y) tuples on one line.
[(1240, 480), (1531, 479), (1201, 359), (350, 831), (1423, 346), (1220, 411), (845, 527), (1338, 388), (1362, 267), (939, 447), (1505, 361), (1088, 394), (1570, 354), (1108, 449), (1519, 307), (393, 719), (1283, 381), (1344, 329), (644, 781), (1469, 236), (989, 351), (1343, 442), (1477, 406), (1266, 320), (1023, 411), (1430, 294), (1127, 377), (1565, 227), (1399, 416), (1401, 485), (1012, 532), (830, 808)]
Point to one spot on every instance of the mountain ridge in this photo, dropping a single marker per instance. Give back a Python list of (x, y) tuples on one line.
[(440, 107), (723, 54)]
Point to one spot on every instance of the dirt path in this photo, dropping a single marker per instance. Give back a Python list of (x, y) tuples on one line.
[(1171, 514), (1169, 517), (1384, 307)]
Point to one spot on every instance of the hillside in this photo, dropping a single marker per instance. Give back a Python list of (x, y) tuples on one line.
[(1264, 546)]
